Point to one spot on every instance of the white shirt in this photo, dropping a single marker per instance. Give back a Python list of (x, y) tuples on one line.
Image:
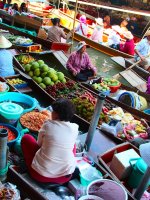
[(55, 158), (97, 35), (114, 38)]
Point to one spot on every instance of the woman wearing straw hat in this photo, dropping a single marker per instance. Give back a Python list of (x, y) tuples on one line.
[(128, 46), (82, 27), (142, 51), (79, 63), (6, 58), (97, 35)]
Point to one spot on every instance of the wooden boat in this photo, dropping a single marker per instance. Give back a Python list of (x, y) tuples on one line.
[(67, 23), (33, 190), (105, 160)]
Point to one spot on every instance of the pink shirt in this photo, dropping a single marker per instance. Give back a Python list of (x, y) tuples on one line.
[(128, 47), (76, 63), (97, 35)]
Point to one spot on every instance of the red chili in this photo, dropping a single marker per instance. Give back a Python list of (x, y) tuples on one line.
[(11, 135)]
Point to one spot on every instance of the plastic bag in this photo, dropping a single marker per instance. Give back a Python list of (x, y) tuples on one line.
[(9, 191)]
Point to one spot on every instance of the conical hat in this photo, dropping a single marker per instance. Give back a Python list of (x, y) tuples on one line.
[(4, 43)]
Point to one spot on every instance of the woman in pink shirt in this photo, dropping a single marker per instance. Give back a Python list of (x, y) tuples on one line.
[(128, 46), (51, 158), (97, 35), (79, 63)]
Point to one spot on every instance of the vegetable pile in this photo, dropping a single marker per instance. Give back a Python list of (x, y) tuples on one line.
[(33, 120)]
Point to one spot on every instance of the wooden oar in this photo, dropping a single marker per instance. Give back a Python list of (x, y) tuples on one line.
[(118, 75)]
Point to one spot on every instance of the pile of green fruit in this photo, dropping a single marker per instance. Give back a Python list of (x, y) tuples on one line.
[(110, 82), (101, 86), (43, 74)]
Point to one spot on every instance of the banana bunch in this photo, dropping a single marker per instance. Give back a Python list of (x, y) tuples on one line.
[(15, 81), (25, 59), (140, 128)]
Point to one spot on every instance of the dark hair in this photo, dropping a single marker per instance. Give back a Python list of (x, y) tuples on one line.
[(15, 6), (23, 8), (55, 21), (64, 108)]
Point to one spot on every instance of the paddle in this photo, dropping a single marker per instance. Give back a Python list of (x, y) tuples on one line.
[(118, 75)]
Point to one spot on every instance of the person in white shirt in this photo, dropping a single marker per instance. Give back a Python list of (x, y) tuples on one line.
[(97, 35), (51, 158), (114, 37)]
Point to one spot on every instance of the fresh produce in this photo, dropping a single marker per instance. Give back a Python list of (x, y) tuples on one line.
[(70, 89), (25, 59), (15, 81), (110, 82), (101, 86), (33, 120), (11, 135), (19, 40)]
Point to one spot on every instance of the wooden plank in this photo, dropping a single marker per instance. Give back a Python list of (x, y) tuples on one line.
[(134, 79)]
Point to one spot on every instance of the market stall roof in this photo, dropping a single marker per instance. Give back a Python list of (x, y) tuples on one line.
[(112, 8)]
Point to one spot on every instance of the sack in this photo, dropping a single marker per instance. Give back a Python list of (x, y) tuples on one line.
[(42, 34)]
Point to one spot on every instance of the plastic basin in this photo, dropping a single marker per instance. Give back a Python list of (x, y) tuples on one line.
[(103, 188), (89, 197), (114, 88), (21, 99), (14, 130)]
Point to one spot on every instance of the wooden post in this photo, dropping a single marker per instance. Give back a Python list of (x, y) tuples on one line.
[(74, 24)]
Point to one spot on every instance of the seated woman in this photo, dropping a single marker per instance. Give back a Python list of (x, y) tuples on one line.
[(79, 63), (23, 8), (128, 46), (7, 5), (6, 58), (51, 158), (82, 27), (142, 52), (14, 9), (2, 3), (97, 35), (114, 37)]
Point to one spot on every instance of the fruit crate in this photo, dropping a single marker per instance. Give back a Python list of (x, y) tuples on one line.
[(31, 48)]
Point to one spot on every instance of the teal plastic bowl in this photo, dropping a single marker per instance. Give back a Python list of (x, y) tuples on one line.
[(27, 102), (14, 130)]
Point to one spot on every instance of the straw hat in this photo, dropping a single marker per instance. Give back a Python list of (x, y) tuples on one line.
[(83, 19), (145, 152), (128, 35), (4, 43), (99, 21), (147, 33), (116, 28), (80, 45)]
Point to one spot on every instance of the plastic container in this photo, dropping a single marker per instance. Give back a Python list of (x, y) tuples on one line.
[(22, 85), (27, 102), (147, 111), (138, 171), (89, 197), (14, 130), (107, 190), (134, 100), (10, 110), (114, 89)]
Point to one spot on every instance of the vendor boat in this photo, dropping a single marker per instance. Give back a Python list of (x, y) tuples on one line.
[(106, 158)]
